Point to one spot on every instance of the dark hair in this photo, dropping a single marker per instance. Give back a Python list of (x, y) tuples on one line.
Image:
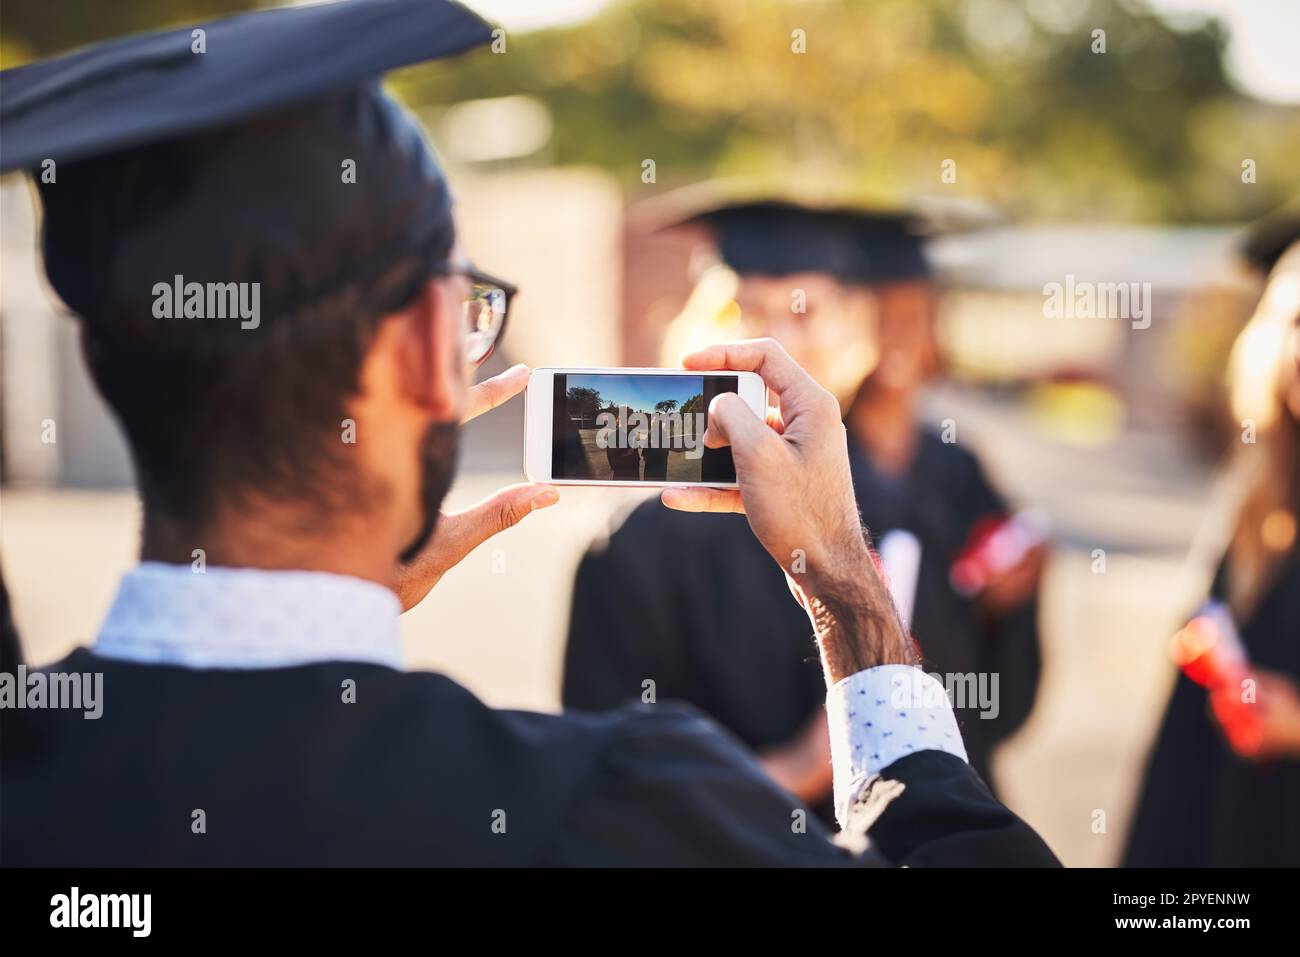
[(212, 410)]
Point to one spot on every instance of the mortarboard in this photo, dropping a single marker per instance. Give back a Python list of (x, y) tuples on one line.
[(154, 86), (1268, 239), (762, 227), (778, 238), (227, 162)]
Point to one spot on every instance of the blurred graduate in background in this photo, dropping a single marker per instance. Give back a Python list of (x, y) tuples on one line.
[(849, 293), (1222, 788)]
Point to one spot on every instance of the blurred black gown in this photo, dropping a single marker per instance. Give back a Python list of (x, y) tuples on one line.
[(695, 604), (1201, 805)]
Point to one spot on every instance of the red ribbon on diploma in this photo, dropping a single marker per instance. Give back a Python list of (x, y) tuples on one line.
[(1209, 650)]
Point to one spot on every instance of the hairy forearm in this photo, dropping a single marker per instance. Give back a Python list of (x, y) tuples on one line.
[(854, 619)]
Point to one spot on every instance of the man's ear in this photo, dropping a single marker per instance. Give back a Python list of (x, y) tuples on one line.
[(429, 353)]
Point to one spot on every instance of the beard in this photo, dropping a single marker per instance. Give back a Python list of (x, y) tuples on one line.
[(438, 454)]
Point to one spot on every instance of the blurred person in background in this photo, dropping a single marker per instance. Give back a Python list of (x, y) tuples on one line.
[(1222, 787), (674, 598)]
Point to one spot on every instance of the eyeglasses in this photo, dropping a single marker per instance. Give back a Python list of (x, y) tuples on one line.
[(484, 311)]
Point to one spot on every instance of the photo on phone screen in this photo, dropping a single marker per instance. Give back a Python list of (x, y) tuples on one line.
[(634, 427)]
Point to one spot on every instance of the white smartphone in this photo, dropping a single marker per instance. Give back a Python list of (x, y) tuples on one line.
[(629, 427)]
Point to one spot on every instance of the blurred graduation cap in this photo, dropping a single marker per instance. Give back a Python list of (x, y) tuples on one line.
[(775, 235), (777, 238), (155, 86), (1268, 239), (218, 155)]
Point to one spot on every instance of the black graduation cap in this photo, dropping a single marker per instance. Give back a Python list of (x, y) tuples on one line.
[(779, 238), (1268, 239), (155, 86), (170, 162)]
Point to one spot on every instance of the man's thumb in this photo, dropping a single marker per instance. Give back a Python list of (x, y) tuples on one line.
[(500, 511), (509, 505), (732, 422)]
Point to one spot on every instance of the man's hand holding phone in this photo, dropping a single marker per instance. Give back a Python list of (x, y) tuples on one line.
[(459, 533), (792, 472), (795, 488)]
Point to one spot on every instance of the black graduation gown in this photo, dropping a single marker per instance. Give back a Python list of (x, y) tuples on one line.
[(11, 653), (694, 603), (1201, 805), (417, 771)]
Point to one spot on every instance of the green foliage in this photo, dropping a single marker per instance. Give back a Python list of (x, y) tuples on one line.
[(33, 29), (1011, 91), (1035, 121)]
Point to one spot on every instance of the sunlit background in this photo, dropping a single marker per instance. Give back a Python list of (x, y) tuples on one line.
[(567, 151)]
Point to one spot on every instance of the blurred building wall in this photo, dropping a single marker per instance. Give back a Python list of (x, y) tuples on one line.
[(998, 276), (556, 233), (44, 379)]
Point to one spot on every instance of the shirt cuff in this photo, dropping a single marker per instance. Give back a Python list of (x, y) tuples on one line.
[(880, 715)]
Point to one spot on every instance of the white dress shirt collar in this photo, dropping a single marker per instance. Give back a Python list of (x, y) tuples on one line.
[(245, 618)]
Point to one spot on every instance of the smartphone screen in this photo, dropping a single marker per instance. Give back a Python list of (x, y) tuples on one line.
[(636, 427)]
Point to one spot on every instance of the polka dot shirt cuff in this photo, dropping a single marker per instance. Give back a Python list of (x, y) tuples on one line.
[(880, 715)]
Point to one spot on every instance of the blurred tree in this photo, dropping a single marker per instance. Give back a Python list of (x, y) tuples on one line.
[(1004, 100), (1011, 92), (31, 29)]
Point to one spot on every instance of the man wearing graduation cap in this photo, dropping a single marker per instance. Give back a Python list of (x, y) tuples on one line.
[(251, 672), (671, 598)]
